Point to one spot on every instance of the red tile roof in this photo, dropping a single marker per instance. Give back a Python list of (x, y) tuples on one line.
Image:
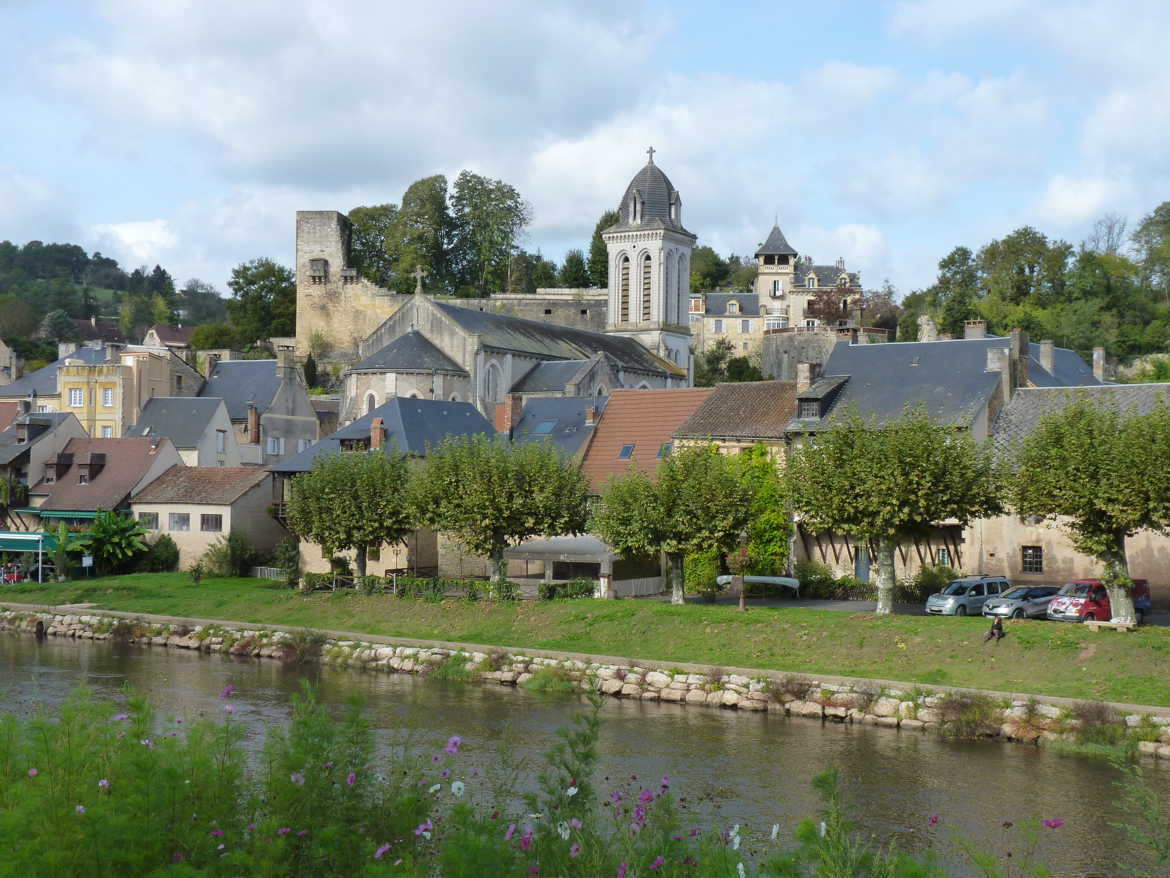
[(177, 335), (213, 485), (8, 412), (644, 419), (745, 411)]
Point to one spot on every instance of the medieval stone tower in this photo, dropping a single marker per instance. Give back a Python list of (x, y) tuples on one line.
[(650, 267)]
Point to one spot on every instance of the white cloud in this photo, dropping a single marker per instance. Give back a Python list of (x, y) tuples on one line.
[(31, 208), (1072, 201)]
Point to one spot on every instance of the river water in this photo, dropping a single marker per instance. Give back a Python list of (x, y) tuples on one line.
[(747, 768)]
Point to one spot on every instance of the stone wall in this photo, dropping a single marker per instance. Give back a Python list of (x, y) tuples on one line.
[(780, 352), (1027, 719)]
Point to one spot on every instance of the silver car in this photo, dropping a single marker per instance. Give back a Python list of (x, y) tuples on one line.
[(965, 596), (1022, 602)]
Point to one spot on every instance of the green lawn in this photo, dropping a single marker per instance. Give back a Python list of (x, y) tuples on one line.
[(1051, 658)]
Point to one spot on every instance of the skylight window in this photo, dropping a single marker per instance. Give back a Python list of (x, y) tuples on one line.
[(664, 449), (626, 453), (544, 427)]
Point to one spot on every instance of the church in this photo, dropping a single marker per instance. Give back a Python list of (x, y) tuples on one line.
[(484, 351)]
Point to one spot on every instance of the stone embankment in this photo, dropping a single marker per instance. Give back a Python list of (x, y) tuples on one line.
[(962, 712)]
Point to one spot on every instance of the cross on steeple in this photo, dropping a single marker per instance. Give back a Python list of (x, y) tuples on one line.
[(650, 152), (419, 274)]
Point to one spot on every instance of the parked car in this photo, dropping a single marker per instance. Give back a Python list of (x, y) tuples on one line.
[(1086, 600), (1022, 602), (966, 596)]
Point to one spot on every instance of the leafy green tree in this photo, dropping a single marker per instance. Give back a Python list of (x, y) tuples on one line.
[(160, 310), (544, 272), (115, 539), (492, 494), (574, 274), (310, 371), (264, 300), (709, 270), (67, 543), (58, 327), (1104, 475), (769, 526), (954, 295), (697, 504), (16, 317), (213, 336), (598, 253), (421, 236), (352, 501), (741, 272), (489, 217), (201, 303), (884, 483), (520, 280), (716, 365), (371, 234), (1151, 240)]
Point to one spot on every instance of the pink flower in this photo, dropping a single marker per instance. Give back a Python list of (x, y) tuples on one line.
[(615, 796), (380, 851), (229, 708), (658, 861), (118, 717), (1054, 823), (80, 809), (284, 830), (227, 690), (103, 784), (933, 820), (574, 823), (526, 839), (298, 779), (426, 826), (147, 743), (251, 827), (452, 745), (350, 779), (216, 833), (665, 782), (622, 870), (511, 831), (646, 796), (32, 772), (303, 832), (575, 850), (534, 870)]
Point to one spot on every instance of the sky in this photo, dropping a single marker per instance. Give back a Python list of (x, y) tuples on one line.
[(188, 132)]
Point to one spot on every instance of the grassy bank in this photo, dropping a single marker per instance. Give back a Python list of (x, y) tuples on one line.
[(1046, 658)]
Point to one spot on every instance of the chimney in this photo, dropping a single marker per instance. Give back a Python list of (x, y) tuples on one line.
[(806, 374), (253, 424), (590, 415), (1021, 353), (113, 350), (840, 263), (25, 406), (285, 362), (65, 348), (998, 360), (975, 329), (1047, 355), (377, 434), (212, 360), (1099, 363), (510, 412)]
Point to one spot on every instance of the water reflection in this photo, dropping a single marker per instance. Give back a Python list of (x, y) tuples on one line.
[(749, 768)]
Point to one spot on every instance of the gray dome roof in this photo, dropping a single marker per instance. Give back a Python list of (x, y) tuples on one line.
[(776, 245), (656, 191)]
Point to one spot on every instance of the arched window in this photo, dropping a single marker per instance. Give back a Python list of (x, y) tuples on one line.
[(413, 395), (492, 383), (682, 277), (371, 403), (454, 397), (601, 391), (669, 300), (811, 282), (624, 289), (647, 275)]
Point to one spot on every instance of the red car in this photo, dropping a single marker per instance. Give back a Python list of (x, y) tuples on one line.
[(1084, 600)]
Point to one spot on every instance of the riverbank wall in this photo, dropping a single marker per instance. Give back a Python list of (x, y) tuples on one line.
[(1031, 719)]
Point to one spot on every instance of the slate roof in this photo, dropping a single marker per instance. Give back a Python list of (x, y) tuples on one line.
[(949, 377), (410, 424), (44, 380), (127, 462), (98, 330), (749, 304), (182, 419), (238, 381), (776, 245), (202, 485), (10, 449), (549, 341), (176, 335), (559, 420), (657, 194), (747, 410), (1029, 405), (826, 275), (412, 352), (645, 419), (549, 375)]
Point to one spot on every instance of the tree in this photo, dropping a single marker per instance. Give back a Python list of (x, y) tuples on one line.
[(264, 300), (953, 296), (201, 303), (1104, 475), (716, 365), (599, 253), (574, 274), (829, 305), (160, 310), (492, 494), (488, 218), (371, 231), (884, 483), (769, 528), (708, 270), (352, 501), (1108, 234), (697, 504), (310, 371), (58, 327), (115, 539), (544, 272), (1151, 240), (420, 237), (213, 336)]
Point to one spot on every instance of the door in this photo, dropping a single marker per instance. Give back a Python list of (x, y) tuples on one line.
[(861, 564)]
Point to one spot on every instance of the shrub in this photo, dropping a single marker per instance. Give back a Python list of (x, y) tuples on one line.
[(304, 645), (287, 558), (370, 585), (197, 572), (1097, 723), (161, 556), (700, 571), (455, 668), (230, 555), (551, 678), (314, 581), (968, 715), (581, 587), (816, 580), (922, 585), (340, 565)]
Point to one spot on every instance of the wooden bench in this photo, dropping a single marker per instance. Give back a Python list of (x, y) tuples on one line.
[(1096, 625)]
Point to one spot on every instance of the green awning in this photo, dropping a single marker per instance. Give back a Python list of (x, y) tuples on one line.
[(18, 541), (63, 513)]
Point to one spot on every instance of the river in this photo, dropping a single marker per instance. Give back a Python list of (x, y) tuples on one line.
[(733, 767)]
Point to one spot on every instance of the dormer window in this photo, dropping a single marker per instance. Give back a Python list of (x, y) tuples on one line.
[(733, 307), (318, 270), (83, 478), (811, 282), (810, 408)]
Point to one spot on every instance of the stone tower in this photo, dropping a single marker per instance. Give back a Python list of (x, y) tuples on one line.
[(776, 268), (650, 267)]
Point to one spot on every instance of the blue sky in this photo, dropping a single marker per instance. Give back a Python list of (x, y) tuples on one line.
[(189, 132)]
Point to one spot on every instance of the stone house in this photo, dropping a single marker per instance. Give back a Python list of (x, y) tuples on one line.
[(268, 405), (1040, 551), (197, 505), (407, 425), (198, 426), (175, 338), (88, 475), (26, 445), (11, 365), (739, 416)]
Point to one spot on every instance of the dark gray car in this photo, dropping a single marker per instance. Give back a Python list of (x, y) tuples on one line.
[(1022, 602)]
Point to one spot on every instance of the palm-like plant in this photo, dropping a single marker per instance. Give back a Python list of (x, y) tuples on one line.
[(115, 539)]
